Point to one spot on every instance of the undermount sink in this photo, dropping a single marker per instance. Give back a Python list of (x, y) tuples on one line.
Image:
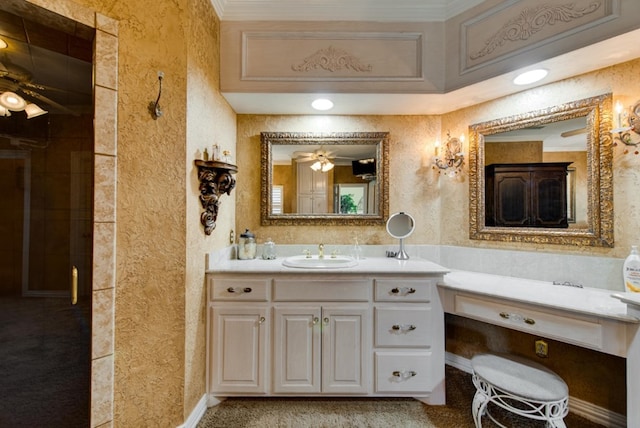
[(315, 262)]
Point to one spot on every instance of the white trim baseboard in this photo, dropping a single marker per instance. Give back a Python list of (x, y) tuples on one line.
[(587, 410), (196, 414)]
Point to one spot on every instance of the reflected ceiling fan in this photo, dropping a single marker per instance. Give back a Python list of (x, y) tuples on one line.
[(17, 89), (322, 159)]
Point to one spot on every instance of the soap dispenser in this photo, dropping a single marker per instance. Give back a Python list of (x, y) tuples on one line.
[(247, 246)]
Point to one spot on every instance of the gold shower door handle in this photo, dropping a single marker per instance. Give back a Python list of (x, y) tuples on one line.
[(74, 285)]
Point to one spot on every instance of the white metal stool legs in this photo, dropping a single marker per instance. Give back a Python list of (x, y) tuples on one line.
[(552, 412)]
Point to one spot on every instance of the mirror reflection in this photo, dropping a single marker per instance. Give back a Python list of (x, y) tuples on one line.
[(536, 176), (544, 176), (316, 178)]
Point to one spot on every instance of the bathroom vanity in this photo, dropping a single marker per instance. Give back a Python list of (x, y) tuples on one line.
[(375, 329)]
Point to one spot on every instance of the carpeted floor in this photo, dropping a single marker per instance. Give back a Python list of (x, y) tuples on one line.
[(44, 363), (321, 412)]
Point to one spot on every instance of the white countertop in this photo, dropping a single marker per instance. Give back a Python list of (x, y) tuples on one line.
[(368, 265), (587, 301)]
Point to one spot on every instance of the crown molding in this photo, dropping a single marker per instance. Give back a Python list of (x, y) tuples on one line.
[(337, 10)]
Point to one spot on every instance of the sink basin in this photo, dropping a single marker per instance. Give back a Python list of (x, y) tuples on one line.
[(314, 262)]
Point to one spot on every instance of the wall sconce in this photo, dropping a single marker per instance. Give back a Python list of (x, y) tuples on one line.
[(451, 163), (10, 101), (154, 107), (626, 123)]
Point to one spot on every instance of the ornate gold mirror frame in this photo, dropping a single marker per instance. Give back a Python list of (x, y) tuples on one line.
[(332, 142), (599, 228)]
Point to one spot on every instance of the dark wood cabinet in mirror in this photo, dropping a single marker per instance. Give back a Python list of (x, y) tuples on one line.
[(575, 135), (324, 178)]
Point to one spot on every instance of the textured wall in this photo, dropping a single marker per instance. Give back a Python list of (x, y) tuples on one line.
[(440, 204), (210, 121), (413, 184), (159, 307)]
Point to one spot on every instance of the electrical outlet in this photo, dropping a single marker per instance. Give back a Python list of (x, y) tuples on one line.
[(542, 349)]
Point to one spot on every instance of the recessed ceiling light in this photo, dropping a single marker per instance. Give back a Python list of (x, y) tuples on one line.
[(530, 76), (3, 44), (322, 104)]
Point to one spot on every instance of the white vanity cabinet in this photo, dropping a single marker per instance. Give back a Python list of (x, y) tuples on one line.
[(325, 334), (408, 338), (238, 335), (321, 345)]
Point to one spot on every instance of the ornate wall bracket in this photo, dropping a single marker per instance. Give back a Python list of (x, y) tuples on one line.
[(215, 180)]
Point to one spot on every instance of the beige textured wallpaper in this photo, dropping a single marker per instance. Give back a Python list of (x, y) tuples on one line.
[(439, 204)]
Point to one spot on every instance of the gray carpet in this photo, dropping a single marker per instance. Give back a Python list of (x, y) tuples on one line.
[(44, 363), (321, 412)]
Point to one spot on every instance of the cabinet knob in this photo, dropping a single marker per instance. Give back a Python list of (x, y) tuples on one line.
[(404, 374), (517, 317), (405, 290), (262, 320), (244, 290), (326, 320), (399, 327), (315, 320)]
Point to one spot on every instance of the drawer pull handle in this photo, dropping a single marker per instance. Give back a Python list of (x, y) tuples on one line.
[(262, 320), (315, 320), (404, 374), (405, 290), (244, 290), (398, 327), (517, 317)]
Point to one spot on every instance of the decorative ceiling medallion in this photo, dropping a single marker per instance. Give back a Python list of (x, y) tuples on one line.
[(332, 59), (532, 20)]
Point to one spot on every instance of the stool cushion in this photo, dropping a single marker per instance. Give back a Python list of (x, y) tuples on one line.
[(520, 377)]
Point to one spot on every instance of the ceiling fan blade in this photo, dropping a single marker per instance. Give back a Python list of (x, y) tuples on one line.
[(48, 101), (574, 132)]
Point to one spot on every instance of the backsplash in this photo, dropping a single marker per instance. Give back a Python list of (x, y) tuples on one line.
[(588, 271)]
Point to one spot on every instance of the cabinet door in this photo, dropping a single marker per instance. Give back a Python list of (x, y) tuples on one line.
[(512, 199), (549, 198), (238, 357), (297, 349), (345, 346)]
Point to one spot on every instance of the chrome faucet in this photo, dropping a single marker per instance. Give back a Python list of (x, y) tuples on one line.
[(321, 251)]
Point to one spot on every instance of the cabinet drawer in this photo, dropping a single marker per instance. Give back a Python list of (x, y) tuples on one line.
[(409, 372), (322, 290), (404, 290), (402, 326), (581, 331), (241, 289)]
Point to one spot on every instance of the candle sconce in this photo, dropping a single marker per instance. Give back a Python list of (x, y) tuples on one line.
[(451, 163), (215, 180), (627, 127)]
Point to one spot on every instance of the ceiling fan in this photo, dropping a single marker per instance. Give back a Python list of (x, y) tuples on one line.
[(321, 158), (18, 92)]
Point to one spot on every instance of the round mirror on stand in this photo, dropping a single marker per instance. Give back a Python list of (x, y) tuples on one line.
[(400, 225)]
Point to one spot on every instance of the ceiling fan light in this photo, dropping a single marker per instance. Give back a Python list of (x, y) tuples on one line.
[(327, 166), (12, 101), (4, 111), (316, 166), (33, 110)]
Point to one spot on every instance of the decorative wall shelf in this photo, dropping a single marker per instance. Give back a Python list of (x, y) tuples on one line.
[(215, 180)]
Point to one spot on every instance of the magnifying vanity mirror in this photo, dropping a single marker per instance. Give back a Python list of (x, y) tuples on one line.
[(544, 176), (401, 225), (336, 178)]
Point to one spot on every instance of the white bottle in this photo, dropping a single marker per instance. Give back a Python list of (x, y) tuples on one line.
[(631, 271)]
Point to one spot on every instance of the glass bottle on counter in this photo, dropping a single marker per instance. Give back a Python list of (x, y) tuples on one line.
[(247, 246), (269, 250)]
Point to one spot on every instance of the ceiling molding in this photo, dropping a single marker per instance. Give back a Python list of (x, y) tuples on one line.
[(337, 10)]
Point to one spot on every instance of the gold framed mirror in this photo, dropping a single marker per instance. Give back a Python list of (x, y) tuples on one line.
[(590, 210), (338, 178)]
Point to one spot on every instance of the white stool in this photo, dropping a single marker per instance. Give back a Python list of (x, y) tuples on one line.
[(519, 386)]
